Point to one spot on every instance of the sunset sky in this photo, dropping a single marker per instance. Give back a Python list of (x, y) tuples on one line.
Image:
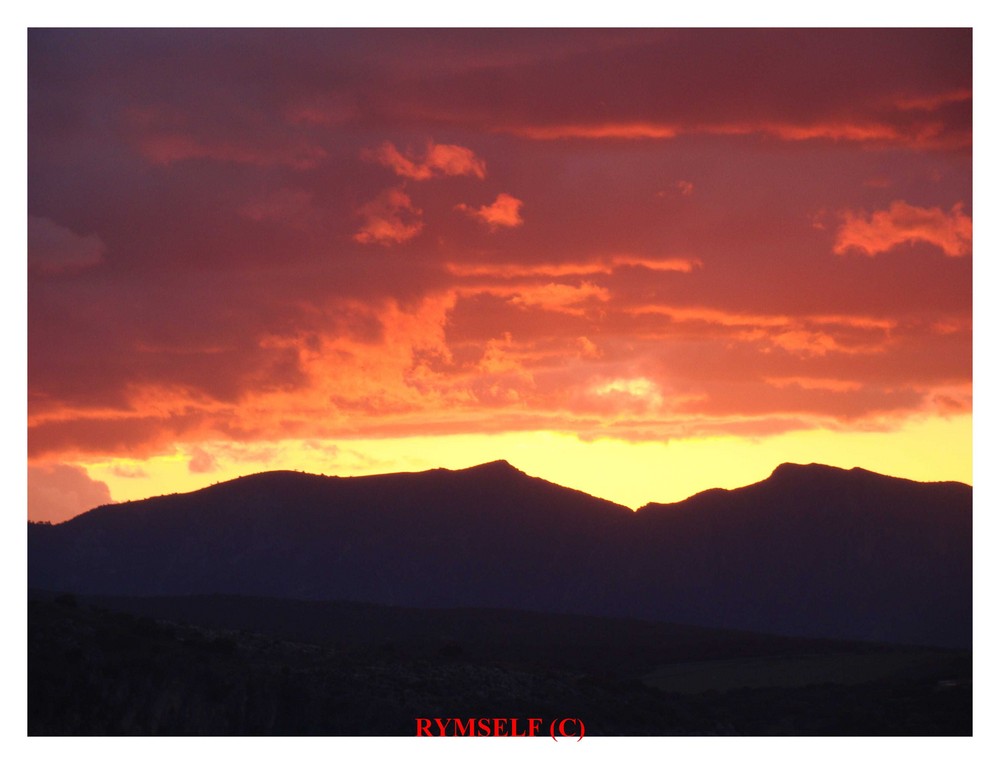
[(641, 263)]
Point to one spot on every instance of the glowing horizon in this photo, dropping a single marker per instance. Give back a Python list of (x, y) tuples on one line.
[(643, 472)]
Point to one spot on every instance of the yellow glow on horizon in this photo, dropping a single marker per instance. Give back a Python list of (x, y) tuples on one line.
[(630, 473)]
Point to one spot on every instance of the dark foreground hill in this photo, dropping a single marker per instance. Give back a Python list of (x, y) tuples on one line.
[(225, 665), (812, 551)]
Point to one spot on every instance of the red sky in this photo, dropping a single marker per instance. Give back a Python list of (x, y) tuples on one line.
[(637, 262)]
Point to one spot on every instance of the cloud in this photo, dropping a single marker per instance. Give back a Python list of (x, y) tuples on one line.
[(630, 391), (439, 159), (600, 266), (390, 218), (619, 130), (815, 383), (560, 298), (404, 369), (285, 205), (902, 223), (802, 336), (933, 101), (128, 471), (201, 461), (866, 131), (53, 248), (505, 212), (57, 492), (709, 315), (223, 127), (167, 148), (251, 292), (569, 299), (587, 348), (928, 134), (500, 377), (806, 343)]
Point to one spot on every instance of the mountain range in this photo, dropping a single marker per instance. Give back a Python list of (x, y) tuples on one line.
[(811, 551)]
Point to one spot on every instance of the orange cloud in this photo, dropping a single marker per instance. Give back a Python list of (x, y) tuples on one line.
[(815, 383), (505, 212), (934, 101), (678, 264), (418, 370), (834, 131), (709, 315), (390, 218), (561, 298), (803, 342), (804, 336), (150, 416), (929, 135), (439, 159), (496, 357), (552, 297), (952, 325), (587, 348), (923, 135), (405, 369), (903, 223), (604, 266), (627, 130), (855, 322)]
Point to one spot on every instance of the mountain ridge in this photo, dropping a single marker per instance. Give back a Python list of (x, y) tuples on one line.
[(790, 472), (501, 467), (809, 551)]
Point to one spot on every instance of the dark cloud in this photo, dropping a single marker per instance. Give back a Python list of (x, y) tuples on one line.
[(54, 249)]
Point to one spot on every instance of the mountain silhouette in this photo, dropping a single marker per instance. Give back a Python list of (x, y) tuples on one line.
[(811, 551), (818, 550)]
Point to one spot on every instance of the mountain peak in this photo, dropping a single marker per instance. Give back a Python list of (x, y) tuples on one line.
[(498, 467), (792, 468), (814, 471)]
